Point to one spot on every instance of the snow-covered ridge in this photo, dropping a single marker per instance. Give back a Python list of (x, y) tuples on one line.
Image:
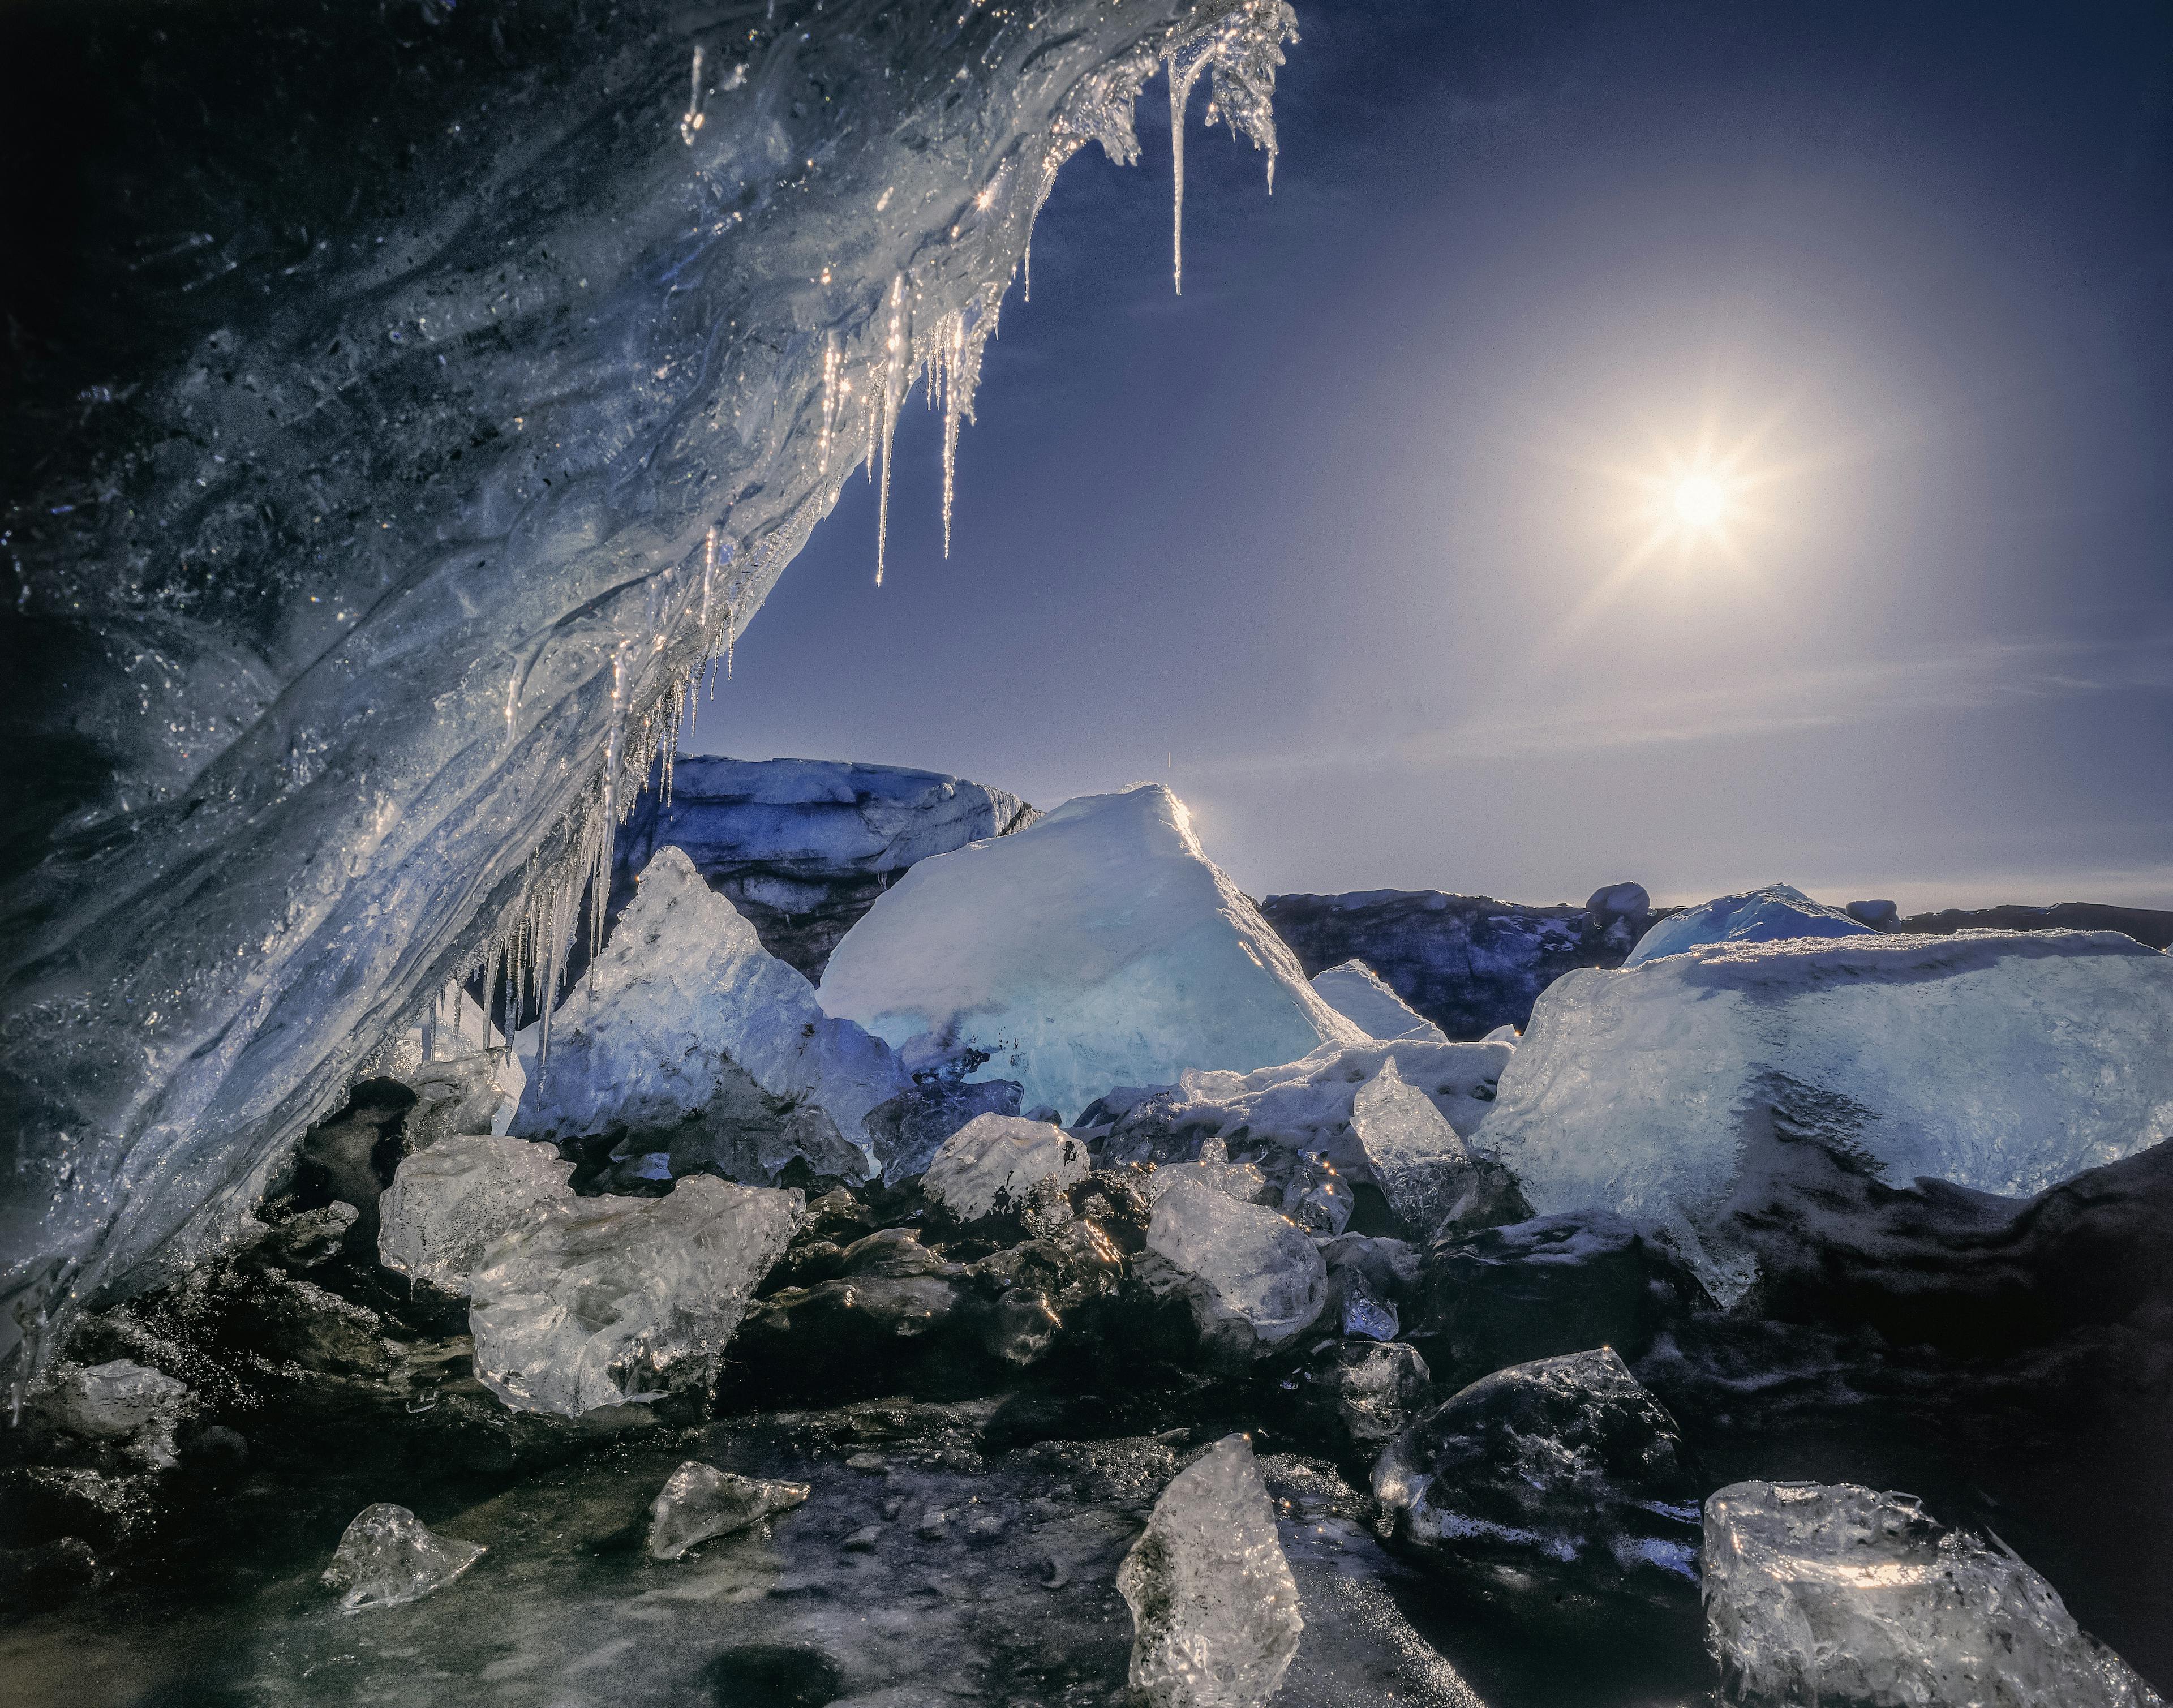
[(447, 516)]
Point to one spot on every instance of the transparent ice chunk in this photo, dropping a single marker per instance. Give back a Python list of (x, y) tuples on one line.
[(1254, 1280), (608, 1301), (699, 1502), (1214, 1609), (994, 1160), (386, 1558), (1358, 993), (447, 1204), (1830, 1593)]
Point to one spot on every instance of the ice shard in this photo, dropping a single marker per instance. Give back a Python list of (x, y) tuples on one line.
[(441, 389)]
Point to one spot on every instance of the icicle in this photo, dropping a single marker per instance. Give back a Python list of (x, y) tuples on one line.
[(832, 363), (615, 738), (954, 409), (729, 626), (512, 698), (893, 366), (1180, 91), (709, 574)]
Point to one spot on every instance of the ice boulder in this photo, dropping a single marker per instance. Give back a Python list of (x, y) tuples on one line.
[(1254, 1281), (387, 1559), (447, 1204), (1677, 1092), (1429, 1174), (1356, 992), (1098, 947), (610, 1299), (120, 1401), (1769, 915), (994, 1160), (699, 1502), (1214, 1609), (1833, 1593), (687, 1037)]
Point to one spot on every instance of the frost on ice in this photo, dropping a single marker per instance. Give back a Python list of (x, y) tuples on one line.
[(1829, 1593), (447, 1204), (1214, 1609), (1356, 992), (612, 1299), (994, 1160), (699, 1502), (1673, 1091), (386, 1558), (686, 1035), (1098, 947), (347, 750), (1769, 915)]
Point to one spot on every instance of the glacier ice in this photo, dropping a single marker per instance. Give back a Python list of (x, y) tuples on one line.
[(494, 419), (1669, 1093), (699, 1502), (994, 1160), (686, 1036), (1423, 1168), (608, 1301), (449, 1205), (386, 1558), (1831, 1593), (1771, 915), (1214, 1609), (1355, 991), (1253, 1279), (1098, 947)]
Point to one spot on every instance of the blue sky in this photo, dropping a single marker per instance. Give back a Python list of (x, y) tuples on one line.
[(1355, 543)]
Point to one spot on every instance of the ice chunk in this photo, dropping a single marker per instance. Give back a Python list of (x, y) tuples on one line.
[(1317, 1198), (1253, 1278), (447, 1205), (910, 1129), (688, 1036), (1242, 1181), (699, 1502), (1671, 1092), (120, 1401), (1374, 1388), (993, 1161), (1304, 1105), (1363, 1315), (477, 1091), (1769, 915), (608, 1301), (386, 1558), (1098, 947), (1830, 1593), (1214, 1609), (1429, 1176), (1562, 1476), (1355, 991)]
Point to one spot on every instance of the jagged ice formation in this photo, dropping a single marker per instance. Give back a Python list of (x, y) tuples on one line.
[(443, 393)]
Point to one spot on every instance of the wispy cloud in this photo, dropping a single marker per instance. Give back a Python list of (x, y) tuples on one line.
[(1971, 676)]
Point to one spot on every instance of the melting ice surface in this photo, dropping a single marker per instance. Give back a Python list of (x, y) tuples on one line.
[(449, 518)]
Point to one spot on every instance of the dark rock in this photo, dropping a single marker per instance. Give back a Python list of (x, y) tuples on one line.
[(1881, 916), (1619, 901), (1541, 1288), (1552, 1488), (1468, 963)]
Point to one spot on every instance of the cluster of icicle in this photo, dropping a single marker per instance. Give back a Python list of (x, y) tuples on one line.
[(868, 374)]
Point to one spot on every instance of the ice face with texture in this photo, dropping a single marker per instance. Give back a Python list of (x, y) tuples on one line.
[(1098, 947), (386, 1558), (608, 1301), (1667, 1092), (1422, 1167), (699, 1502), (1252, 1278), (994, 1160), (1769, 915), (1830, 1593), (1358, 993), (685, 1020), (447, 1204), (1214, 1609)]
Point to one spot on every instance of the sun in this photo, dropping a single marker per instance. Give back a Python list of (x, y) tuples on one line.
[(1700, 502)]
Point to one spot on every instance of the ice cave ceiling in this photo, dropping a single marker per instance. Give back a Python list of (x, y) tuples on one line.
[(412, 398)]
